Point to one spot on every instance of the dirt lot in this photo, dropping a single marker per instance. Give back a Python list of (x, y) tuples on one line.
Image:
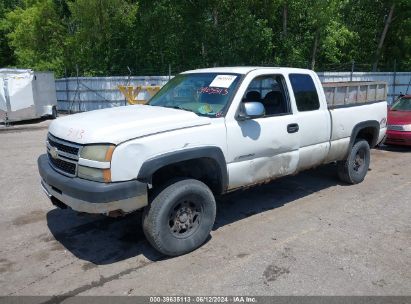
[(302, 235)]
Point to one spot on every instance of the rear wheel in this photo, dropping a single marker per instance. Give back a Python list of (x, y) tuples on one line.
[(354, 169), (180, 218)]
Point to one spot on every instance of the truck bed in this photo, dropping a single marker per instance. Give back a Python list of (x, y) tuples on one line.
[(349, 93), (352, 103)]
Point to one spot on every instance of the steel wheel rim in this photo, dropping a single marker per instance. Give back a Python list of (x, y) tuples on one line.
[(359, 160), (184, 218)]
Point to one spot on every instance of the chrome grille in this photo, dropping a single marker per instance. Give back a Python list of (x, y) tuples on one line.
[(64, 148), (63, 165), (63, 155)]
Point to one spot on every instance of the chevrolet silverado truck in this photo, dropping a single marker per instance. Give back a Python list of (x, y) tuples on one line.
[(205, 133)]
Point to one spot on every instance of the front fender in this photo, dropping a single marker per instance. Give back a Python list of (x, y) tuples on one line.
[(152, 165)]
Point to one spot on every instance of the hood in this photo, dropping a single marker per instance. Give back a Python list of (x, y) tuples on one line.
[(399, 117), (116, 125)]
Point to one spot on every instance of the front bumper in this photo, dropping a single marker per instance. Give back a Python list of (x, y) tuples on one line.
[(398, 138), (88, 196)]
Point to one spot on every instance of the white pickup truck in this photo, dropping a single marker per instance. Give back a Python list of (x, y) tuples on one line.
[(205, 133)]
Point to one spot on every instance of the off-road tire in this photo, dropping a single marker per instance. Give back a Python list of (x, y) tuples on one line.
[(354, 169), (169, 208)]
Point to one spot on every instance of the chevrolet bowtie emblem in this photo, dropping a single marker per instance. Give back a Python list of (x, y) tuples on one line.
[(53, 152)]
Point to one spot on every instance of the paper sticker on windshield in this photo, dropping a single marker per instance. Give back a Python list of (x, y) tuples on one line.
[(222, 81)]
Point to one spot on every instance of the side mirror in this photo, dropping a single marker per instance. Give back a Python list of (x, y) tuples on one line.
[(250, 110)]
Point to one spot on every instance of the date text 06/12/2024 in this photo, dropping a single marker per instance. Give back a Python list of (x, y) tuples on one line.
[(203, 299)]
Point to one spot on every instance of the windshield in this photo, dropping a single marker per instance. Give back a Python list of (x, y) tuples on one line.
[(402, 104), (206, 94)]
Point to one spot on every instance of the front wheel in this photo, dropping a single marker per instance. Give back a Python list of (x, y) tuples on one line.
[(180, 218), (354, 169)]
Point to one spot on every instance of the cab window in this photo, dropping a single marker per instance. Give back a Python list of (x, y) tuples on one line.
[(269, 90), (305, 93)]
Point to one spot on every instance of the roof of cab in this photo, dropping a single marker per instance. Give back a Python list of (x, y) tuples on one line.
[(234, 70)]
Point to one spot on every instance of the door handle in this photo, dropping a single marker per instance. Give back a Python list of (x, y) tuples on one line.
[(293, 128)]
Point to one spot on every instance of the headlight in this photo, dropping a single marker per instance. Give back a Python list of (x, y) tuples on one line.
[(407, 128), (94, 163), (101, 153)]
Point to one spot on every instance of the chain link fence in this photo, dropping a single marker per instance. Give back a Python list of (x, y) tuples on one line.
[(79, 93)]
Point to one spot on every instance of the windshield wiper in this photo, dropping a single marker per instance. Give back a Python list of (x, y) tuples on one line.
[(184, 109)]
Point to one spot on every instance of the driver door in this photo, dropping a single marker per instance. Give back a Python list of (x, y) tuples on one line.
[(264, 148)]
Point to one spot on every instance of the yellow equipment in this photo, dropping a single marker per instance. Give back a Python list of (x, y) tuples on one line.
[(131, 93)]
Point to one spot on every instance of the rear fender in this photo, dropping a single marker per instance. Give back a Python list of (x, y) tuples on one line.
[(371, 124)]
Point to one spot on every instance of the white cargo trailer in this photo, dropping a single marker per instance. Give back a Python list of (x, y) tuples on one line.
[(26, 94)]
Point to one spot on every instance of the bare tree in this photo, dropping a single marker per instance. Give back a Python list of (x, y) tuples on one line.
[(382, 38), (285, 17), (315, 47)]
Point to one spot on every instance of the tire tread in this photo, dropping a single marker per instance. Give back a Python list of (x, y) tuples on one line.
[(344, 166), (150, 226)]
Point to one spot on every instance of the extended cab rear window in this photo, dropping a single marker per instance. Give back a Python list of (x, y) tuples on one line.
[(305, 92)]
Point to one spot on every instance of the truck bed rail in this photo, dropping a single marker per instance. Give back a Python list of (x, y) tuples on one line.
[(349, 93)]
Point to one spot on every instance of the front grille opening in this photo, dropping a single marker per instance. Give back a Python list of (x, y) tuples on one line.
[(57, 190), (56, 202), (62, 165), (63, 148), (67, 163)]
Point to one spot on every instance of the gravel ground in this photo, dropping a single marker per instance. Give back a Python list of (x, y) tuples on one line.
[(307, 234)]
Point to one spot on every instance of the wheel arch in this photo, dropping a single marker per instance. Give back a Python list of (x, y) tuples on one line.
[(368, 130), (206, 160)]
